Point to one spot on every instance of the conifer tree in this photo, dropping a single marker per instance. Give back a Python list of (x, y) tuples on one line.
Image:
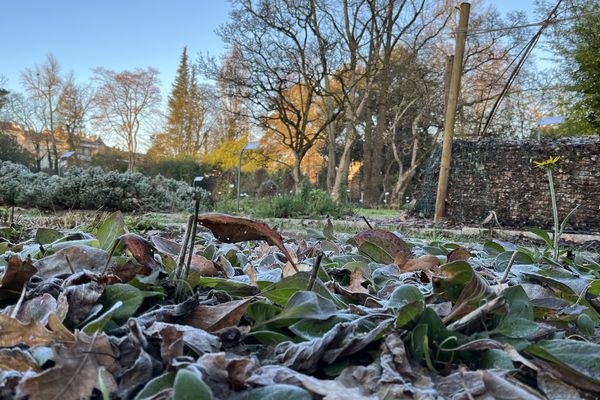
[(178, 105)]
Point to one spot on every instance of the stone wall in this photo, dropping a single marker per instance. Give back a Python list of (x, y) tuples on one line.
[(499, 175)]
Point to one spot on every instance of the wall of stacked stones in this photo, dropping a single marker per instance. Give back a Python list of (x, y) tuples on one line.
[(499, 175)]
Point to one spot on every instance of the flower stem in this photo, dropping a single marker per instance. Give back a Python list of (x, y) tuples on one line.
[(554, 211)]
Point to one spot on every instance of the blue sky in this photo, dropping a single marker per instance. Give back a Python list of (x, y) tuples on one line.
[(118, 34)]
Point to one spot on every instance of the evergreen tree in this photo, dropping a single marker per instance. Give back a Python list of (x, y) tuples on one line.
[(577, 41), (3, 97), (586, 74), (178, 104)]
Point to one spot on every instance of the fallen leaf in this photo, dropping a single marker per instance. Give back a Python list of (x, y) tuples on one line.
[(200, 341), (356, 280), (229, 229), (200, 265), (16, 359), (142, 251), (382, 246), (80, 258), (458, 254), (81, 299), (17, 273), (14, 332), (37, 309), (213, 318), (76, 374), (427, 263)]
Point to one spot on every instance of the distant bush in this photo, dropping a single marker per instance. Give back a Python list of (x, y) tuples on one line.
[(182, 169), (92, 188), (310, 203), (267, 189), (11, 150)]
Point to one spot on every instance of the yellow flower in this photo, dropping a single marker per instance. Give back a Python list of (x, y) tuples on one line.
[(547, 163)]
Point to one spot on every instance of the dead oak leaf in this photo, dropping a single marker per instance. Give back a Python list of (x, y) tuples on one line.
[(17, 360), (356, 281), (13, 332)]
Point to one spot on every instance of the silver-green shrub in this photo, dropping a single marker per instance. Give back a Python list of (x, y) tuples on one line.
[(93, 189)]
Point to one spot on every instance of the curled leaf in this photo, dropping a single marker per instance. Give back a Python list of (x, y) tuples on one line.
[(229, 229)]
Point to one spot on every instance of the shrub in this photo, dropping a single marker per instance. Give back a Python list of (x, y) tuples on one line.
[(11, 150), (267, 189), (310, 203), (91, 188), (183, 169)]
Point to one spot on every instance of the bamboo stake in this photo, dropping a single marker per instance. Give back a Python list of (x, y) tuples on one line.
[(461, 36)]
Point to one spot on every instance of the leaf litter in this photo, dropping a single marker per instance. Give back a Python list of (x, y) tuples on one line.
[(330, 316)]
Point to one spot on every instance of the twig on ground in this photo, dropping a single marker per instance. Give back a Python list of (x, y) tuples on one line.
[(478, 313), (367, 221), (71, 265), (509, 266), (110, 254), (15, 311)]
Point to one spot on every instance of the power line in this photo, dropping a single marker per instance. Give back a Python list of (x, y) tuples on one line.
[(519, 65), (546, 22)]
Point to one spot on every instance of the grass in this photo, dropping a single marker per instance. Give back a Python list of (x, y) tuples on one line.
[(376, 212)]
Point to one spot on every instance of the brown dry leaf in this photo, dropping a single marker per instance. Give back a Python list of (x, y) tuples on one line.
[(14, 332), (229, 229), (81, 299), (382, 246), (165, 245), (37, 309), (80, 257), (213, 318), (426, 263), (289, 269), (356, 280), (171, 345), (17, 273), (204, 266), (75, 375), (458, 254), (17, 360), (142, 251), (200, 265), (251, 272)]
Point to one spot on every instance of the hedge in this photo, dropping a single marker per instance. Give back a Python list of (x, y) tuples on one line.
[(93, 189)]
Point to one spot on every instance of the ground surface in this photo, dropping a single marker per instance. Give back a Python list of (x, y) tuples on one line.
[(95, 304)]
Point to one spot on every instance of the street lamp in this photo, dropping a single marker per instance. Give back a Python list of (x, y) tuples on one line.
[(64, 157), (248, 146)]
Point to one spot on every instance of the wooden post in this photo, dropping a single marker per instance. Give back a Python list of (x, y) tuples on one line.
[(448, 78), (461, 36)]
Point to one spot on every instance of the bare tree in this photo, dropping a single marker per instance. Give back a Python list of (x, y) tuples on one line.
[(280, 75), (73, 110), (124, 102), (25, 112), (44, 84)]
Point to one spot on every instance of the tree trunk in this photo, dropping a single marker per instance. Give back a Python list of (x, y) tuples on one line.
[(331, 161), (367, 167), (297, 174), (341, 176)]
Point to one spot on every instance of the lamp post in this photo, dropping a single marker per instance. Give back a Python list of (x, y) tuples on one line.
[(248, 146), (63, 158)]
